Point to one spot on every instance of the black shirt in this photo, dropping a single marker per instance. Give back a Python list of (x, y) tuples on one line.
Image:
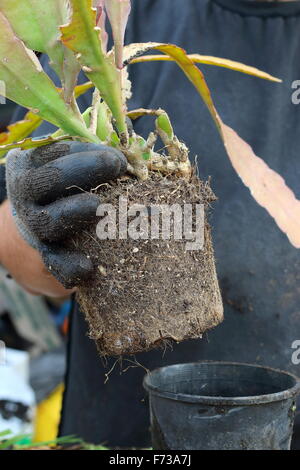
[(259, 271)]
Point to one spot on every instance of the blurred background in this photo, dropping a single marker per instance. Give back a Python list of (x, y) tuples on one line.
[(32, 353)]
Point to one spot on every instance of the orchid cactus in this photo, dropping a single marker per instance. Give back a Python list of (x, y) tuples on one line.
[(73, 34)]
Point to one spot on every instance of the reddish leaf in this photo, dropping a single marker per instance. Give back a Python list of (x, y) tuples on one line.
[(101, 20), (210, 60), (118, 12), (266, 186)]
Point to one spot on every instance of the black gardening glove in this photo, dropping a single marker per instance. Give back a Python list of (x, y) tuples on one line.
[(48, 188)]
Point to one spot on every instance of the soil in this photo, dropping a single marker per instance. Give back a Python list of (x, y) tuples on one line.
[(146, 293)]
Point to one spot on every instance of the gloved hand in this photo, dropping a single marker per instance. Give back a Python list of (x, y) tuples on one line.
[(48, 188)]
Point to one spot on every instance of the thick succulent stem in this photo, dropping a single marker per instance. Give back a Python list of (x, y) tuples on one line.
[(104, 125), (138, 166), (75, 108), (85, 134)]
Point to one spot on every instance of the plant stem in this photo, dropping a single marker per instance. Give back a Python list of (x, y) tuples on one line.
[(76, 110), (94, 112)]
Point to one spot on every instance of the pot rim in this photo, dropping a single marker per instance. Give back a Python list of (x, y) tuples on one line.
[(204, 399)]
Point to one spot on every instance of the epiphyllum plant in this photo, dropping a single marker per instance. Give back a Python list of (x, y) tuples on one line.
[(72, 33)]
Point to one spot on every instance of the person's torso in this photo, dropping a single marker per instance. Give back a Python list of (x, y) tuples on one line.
[(258, 269)]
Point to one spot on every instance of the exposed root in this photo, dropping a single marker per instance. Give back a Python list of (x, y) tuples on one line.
[(119, 359), (135, 363), (148, 292), (167, 166)]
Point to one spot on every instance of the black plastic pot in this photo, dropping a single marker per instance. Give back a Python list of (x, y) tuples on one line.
[(220, 406)]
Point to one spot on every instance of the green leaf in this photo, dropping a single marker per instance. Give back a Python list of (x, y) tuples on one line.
[(8, 443), (37, 23), (114, 140), (33, 142), (29, 86), (163, 123), (68, 72), (83, 37), (19, 130), (59, 441), (87, 116), (104, 126)]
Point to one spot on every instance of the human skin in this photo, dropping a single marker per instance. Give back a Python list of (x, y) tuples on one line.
[(24, 263)]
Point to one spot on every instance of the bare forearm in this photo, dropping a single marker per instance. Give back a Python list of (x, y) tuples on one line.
[(23, 262)]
